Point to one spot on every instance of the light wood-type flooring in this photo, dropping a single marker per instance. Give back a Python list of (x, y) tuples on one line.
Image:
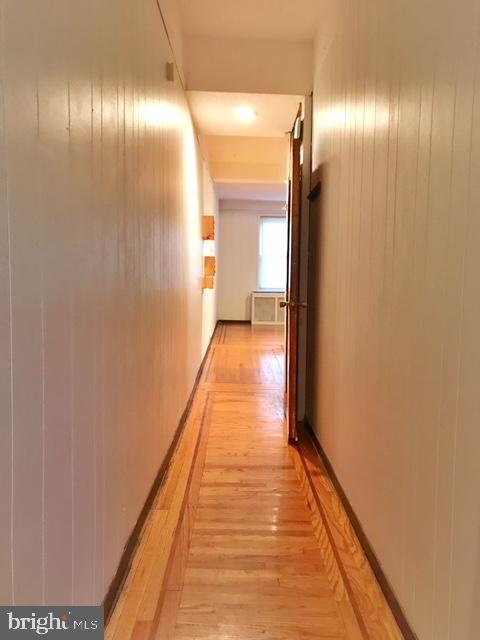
[(247, 539)]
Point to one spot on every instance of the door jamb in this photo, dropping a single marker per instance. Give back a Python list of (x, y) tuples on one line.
[(304, 244)]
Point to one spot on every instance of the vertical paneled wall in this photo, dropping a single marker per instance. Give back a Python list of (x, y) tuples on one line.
[(100, 285), (397, 401)]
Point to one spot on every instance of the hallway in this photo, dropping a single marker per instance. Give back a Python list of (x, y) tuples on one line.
[(179, 179), (250, 558)]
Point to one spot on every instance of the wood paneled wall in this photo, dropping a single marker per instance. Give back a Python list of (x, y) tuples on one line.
[(100, 285), (397, 402)]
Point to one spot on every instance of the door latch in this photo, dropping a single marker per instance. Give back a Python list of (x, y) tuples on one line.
[(292, 305)]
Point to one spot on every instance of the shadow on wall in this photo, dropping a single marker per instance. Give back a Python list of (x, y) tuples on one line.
[(315, 237), (248, 307), (475, 607)]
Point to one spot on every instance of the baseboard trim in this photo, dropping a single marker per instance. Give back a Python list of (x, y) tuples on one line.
[(382, 580), (124, 565), (235, 322)]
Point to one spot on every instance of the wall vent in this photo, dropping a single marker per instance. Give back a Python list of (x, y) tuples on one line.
[(266, 307)]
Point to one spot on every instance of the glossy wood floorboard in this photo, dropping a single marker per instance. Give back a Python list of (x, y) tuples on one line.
[(251, 556)]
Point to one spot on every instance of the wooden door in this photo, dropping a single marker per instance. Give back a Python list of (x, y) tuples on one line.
[(292, 302)]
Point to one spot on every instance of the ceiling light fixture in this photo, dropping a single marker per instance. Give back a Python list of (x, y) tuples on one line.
[(246, 114)]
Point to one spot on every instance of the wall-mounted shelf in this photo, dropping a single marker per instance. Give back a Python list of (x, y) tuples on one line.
[(208, 227), (209, 269), (208, 282), (209, 266), (209, 261)]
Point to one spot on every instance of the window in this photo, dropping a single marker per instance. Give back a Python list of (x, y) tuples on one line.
[(273, 253)]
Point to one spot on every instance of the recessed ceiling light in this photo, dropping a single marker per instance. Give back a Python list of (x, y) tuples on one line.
[(246, 114)]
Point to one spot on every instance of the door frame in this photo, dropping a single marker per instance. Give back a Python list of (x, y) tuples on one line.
[(296, 301), (292, 300)]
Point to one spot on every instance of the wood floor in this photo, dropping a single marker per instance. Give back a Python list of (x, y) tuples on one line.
[(238, 545)]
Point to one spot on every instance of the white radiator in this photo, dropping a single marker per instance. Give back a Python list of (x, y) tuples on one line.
[(266, 307)]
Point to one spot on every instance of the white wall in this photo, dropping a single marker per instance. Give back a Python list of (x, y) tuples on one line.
[(173, 24), (100, 286), (210, 248), (248, 159), (248, 65), (238, 254), (397, 402)]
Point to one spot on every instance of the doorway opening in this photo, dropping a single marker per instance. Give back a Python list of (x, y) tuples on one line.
[(255, 150)]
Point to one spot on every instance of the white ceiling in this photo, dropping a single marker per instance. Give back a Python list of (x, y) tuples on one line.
[(261, 19), (216, 113)]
